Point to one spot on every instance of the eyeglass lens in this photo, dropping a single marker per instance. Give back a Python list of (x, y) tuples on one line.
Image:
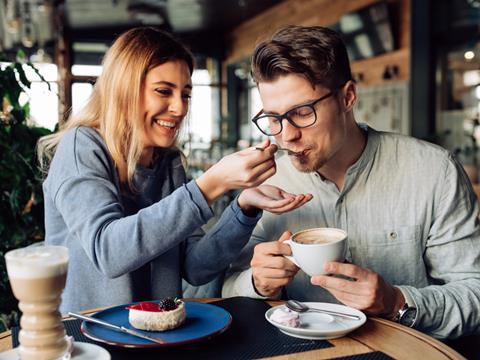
[(300, 117)]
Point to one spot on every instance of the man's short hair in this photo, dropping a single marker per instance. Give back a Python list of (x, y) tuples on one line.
[(316, 53)]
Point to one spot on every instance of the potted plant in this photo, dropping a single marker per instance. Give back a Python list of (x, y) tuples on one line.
[(21, 201)]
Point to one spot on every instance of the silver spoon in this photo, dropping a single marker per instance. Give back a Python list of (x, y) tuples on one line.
[(299, 307), (281, 149)]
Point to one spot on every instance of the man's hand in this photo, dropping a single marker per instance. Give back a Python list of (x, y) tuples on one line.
[(271, 270), (367, 291)]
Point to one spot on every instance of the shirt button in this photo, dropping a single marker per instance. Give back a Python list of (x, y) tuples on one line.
[(393, 235)]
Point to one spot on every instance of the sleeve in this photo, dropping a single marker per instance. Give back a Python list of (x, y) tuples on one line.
[(238, 280), (206, 256), (450, 307), (85, 194)]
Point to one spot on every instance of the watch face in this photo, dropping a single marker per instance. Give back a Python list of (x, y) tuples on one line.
[(408, 317)]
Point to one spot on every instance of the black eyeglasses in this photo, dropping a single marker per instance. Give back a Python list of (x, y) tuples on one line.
[(301, 116)]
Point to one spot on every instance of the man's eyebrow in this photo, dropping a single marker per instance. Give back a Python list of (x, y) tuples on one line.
[(291, 108), (172, 85)]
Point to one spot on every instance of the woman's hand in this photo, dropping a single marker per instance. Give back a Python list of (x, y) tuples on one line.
[(244, 169), (270, 198)]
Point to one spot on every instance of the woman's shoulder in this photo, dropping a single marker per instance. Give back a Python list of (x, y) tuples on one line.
[(82, 148), (83, 136)]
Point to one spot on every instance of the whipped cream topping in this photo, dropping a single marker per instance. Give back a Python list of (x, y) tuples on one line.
[(286, 317)]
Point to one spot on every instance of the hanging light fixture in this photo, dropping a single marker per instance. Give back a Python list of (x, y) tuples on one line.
[(26, 22), (27, 28), (12, 16)]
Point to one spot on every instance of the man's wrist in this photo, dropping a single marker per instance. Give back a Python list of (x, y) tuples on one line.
[(273, 295), (399, 303), (407, 314)]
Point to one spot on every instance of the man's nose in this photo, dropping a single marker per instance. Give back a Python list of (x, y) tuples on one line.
[(290, 132)]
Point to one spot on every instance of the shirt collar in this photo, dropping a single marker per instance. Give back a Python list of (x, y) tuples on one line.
[(369, 151)]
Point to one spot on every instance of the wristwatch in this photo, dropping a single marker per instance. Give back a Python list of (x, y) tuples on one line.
[(406, 315)]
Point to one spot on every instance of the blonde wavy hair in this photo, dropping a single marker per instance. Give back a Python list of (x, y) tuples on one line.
[(113, 109)]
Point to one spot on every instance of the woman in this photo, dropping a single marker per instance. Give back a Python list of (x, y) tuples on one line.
[(116, 192)]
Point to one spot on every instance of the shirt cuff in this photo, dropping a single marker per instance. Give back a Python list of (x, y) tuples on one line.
[(244, 285), (244, 219)]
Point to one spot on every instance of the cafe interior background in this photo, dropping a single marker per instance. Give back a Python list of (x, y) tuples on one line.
[(416, 64)]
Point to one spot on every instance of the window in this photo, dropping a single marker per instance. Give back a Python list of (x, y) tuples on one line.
[(200, 119), (256, 105), (43, 102), (81, 91)]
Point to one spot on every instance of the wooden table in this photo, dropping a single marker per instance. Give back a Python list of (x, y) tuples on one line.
[(376, 334)]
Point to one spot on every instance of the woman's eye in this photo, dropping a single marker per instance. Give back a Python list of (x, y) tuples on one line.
[(187, 96), (164, 92)]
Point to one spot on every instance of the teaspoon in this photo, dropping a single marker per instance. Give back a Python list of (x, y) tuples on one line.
[(280, 149), (299, 307)]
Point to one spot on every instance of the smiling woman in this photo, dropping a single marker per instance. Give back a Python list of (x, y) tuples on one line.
[(164, 104), (116, 193)]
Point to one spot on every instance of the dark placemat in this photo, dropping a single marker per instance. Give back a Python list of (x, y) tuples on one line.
[(376, 355), (249, 337)]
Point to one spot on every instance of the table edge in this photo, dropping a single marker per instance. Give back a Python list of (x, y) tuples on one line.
[(445, 349), (437, 344)]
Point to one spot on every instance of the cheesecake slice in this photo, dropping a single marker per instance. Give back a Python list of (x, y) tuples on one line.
[(165, 315)]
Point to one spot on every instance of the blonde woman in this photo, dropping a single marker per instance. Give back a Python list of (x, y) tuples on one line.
[(116, 193)]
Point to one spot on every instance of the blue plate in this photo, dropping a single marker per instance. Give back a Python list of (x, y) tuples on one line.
[(203, 321)]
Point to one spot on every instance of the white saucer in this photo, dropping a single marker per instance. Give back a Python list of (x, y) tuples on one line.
[(316, 326), (81, 351), (87, 351)]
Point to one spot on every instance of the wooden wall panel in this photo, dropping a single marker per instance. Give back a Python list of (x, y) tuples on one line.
[(372, 69), (241, 41)]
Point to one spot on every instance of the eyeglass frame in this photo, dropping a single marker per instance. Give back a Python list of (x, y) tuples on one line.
[(285, 114)]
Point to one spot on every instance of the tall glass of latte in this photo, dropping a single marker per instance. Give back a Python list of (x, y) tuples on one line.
[(37, 276)]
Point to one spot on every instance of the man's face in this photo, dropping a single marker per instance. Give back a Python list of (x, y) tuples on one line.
[(317, 145)]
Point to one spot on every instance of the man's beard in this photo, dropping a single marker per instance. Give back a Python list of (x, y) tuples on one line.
[(305, 165)]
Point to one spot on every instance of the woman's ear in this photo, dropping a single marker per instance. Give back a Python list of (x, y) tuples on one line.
[(350, 95)]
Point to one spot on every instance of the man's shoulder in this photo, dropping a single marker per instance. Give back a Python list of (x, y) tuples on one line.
[(411, 148)]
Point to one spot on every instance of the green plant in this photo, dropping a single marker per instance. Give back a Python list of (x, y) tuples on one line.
[(21, 201)]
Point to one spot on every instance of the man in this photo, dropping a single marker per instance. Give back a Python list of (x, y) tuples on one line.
[(407, 205)]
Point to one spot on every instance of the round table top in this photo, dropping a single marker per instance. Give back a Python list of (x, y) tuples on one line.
[(376, 334)]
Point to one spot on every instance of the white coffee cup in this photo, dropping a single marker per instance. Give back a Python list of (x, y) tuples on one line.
[(312, 248)]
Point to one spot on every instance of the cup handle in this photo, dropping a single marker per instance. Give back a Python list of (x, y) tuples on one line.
[(288, 242)]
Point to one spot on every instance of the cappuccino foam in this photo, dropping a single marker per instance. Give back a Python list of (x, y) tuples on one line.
[(37, 262), (317, 237)]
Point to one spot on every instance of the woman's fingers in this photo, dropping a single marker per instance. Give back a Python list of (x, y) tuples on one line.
[(291, 205), (261, 176), (275, 204), (256, 156)]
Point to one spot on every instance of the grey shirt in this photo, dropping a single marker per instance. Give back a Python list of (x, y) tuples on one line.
[(411, 216), (129, 246)]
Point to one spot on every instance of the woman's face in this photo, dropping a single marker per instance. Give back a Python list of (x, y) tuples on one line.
[(164, 103)]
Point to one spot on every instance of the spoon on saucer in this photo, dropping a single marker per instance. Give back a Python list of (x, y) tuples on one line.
[(300, 307)]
